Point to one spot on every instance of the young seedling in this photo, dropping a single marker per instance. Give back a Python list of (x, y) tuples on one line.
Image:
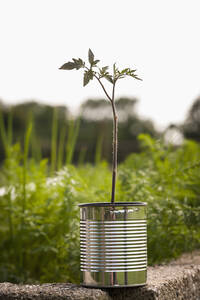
[(91, 71)]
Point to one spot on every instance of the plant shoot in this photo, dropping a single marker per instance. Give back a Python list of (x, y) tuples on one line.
[(91, 71)]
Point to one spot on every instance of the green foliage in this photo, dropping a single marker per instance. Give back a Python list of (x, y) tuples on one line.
[(4, 137), (14, 119), (49, 130), (169, 180), (73, 131), (98, 72), (54, 140), (96, 120), (39, 214), (90, 57), (75, 64), (88, 75), (191, 126), (39, 228)]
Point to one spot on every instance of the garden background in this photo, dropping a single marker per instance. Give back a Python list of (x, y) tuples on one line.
[(51, 161)]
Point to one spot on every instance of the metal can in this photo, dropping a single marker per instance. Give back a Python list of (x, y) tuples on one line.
[(113, 243)]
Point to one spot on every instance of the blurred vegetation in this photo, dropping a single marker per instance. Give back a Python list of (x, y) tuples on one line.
[(91, 129), (191, 126), (39, 212), (96, 128), (18, 116)]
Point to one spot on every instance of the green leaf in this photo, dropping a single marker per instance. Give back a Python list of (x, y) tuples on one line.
[(104, 69), (137, 77), (124, 71), (88, 75), (90, 56), (68, 66), (109, 78), (78, 63), (95, 62), (114, 68)]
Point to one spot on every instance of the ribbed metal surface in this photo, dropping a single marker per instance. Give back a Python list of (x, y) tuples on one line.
[(111, 243), (98, 237)]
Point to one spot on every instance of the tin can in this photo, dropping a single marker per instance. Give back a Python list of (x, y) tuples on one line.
[(113, 243)]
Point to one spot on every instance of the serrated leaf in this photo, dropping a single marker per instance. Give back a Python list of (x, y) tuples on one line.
[(109, 78), (68, 66), (90, 56), (85, 79), (134, 76), (88, 75), (121, 76), (96, 62), (78, 63), (124, 71)]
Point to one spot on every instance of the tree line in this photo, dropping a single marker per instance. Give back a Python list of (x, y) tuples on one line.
[(86, 137)]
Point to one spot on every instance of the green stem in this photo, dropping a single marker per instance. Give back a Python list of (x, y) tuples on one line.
[(26, 150), (10, 222), (82, 155), (71, 140), (115, 139), (115, 131), (98, 151), (10, 127), (35, 145), (61, 147), (7, 142), (109, 98), (54, 140), (103, 88), (24, 195)]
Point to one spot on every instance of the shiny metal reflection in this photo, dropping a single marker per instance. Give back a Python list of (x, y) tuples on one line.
[(113, 240)]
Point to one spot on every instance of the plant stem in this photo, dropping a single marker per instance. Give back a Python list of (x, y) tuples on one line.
[(103, 88), (114, 165), (109, 98), (115, 131)]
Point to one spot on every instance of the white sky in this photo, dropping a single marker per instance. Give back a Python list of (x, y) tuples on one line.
[(158, 37)]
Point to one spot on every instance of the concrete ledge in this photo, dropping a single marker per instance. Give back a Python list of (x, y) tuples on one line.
[(178, 280)]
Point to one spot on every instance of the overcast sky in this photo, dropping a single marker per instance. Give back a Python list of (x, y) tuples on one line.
[(160, 38)]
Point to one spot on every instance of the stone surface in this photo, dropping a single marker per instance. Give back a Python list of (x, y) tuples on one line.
[(165, 283), (51, 291), (178, 280)]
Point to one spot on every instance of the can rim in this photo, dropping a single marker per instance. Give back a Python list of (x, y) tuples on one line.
[(109, 204)]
